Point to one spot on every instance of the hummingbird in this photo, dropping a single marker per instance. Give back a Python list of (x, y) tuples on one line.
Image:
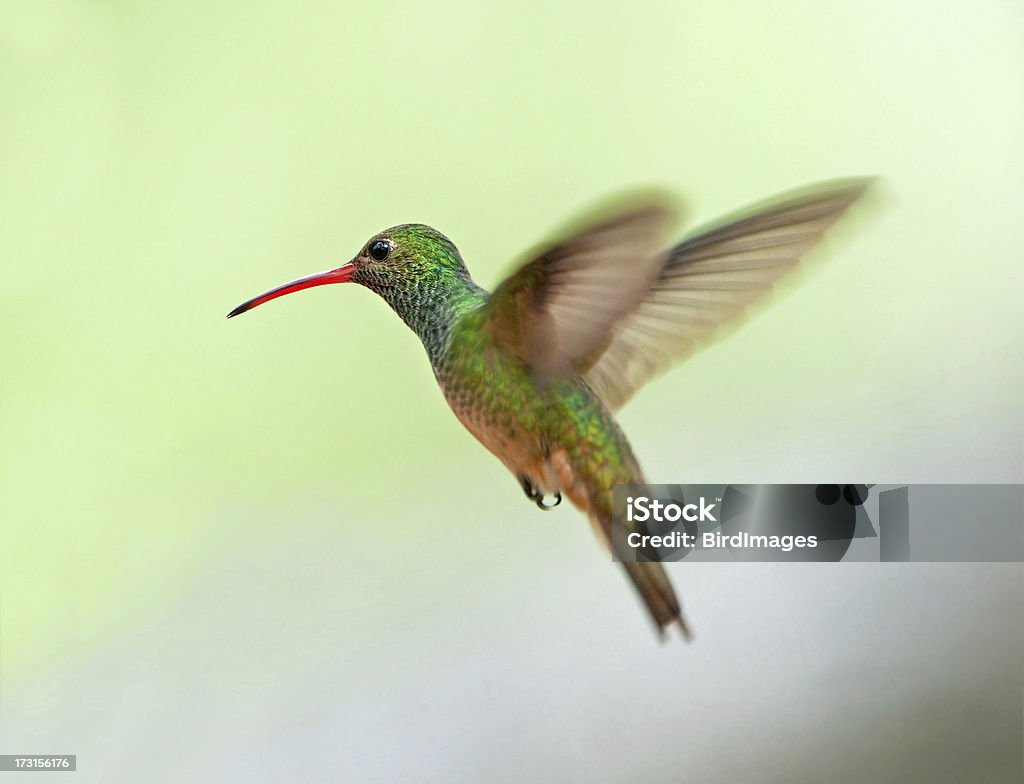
[(536, 369)]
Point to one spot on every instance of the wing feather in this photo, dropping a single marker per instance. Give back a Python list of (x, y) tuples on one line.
[(709, 280), (609, 303), (558, 308)]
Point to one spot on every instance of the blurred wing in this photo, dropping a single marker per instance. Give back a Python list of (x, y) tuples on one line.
[(556, 311), (708, 281)]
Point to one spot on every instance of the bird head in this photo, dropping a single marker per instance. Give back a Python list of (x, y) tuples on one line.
[(405, 265)]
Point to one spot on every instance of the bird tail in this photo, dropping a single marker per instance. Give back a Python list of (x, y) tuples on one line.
[(589, 489), (652, 583), (648, 577)]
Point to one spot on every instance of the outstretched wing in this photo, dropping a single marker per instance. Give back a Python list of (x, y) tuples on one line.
[(557, 310), (708, 281)]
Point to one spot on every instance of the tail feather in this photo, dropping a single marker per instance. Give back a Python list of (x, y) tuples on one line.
[(589, 489), (652, 583)]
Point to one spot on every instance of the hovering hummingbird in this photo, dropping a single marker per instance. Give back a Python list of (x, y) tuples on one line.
[(536, 369)]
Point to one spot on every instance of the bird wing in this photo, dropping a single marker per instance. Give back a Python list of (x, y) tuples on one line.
[(708, 280), (556, 311)]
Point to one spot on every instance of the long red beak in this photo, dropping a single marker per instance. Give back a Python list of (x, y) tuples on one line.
[(339, 275)]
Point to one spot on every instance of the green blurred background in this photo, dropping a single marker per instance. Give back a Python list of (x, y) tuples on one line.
[(265, 550)]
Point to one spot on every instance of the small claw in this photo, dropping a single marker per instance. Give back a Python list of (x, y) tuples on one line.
[(537, 496), (529, 489), (547, 507)]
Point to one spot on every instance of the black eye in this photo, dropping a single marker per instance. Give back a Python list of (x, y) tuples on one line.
[(380, 250)]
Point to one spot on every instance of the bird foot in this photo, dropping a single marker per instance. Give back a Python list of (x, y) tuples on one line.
[(537, 496)]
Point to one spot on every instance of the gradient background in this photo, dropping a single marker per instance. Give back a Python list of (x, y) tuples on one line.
[(263, 550)]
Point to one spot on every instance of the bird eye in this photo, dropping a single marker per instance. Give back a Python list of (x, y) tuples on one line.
[(380, 250)]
